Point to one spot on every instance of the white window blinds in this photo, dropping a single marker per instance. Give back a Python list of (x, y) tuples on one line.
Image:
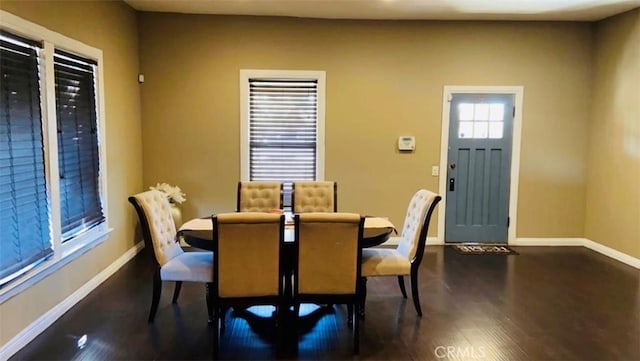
[(283, 130)]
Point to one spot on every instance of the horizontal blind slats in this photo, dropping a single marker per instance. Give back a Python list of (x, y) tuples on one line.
[(80, 204), (24, 212), (283, 116)]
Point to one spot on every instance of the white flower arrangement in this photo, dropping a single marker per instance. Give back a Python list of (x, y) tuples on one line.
[(173, 193)]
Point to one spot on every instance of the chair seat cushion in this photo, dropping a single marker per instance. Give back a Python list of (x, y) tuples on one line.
[(384, 262), (189, 267)]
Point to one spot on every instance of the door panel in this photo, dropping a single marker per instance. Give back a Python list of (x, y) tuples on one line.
[(478, 175)]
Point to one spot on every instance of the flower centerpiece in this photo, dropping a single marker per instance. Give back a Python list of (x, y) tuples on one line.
[(173, 193)]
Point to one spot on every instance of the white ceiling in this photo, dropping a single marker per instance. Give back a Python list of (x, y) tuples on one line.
[(563, 10)]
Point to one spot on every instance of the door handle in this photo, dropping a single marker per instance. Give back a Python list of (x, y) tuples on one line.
[(452, 181)]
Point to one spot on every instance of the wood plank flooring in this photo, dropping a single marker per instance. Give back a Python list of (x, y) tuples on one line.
[(548, 303)]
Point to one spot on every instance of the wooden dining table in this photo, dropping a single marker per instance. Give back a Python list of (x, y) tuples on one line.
[(198, 232)]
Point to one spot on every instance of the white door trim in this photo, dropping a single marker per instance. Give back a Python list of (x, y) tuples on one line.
[(449, 90)]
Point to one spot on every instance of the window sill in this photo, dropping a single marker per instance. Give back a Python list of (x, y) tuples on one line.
[(70, 252)]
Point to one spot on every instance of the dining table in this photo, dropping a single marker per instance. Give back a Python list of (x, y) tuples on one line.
[(198, 232)]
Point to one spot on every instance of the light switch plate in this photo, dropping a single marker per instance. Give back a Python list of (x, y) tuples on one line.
[(435, 171)]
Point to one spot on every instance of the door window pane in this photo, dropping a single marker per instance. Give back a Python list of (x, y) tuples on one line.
[(481, 120), (481, 112), (496, 111), (480, 130), (495, 130), (465, 130), (465, 111)]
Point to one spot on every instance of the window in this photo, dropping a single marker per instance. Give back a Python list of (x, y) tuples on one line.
[(24, 207), (78, 163), (282, 126), (481, 120), (51, 159)]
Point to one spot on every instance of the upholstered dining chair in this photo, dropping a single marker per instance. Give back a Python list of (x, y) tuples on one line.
[(314, 196), (405, 259), (172, 263), (249, 265), (327, 263), (255, 196)]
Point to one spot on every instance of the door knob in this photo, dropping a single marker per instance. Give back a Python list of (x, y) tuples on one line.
[(452, 166)]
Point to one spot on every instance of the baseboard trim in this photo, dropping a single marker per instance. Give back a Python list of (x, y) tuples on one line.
[(38, 326), (433, 241), (553, 242), (584, 242), (613, 253), (549, 242)]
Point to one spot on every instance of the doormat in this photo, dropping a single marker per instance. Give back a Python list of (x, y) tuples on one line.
[(483, 249)]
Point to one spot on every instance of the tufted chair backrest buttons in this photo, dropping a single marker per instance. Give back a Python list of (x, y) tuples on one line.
[(161, 226), (413, 223), (259, 196), (314, 196)]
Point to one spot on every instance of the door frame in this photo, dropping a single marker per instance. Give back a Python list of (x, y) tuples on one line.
[(518, 94)]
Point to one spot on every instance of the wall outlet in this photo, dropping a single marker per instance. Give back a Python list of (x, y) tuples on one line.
[(435, 171)]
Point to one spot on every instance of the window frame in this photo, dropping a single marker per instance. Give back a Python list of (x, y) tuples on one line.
[(73, 248), (245, 76)]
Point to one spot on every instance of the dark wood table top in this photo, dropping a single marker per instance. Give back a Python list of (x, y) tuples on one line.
[(198, 232)]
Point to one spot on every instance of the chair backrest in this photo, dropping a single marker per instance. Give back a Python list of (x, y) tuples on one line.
[(327, 249), (248, 254), (158, 229), (314, 196), (259, 196), (416, 224)]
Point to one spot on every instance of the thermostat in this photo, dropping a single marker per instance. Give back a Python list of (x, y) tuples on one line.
[(406, 143)]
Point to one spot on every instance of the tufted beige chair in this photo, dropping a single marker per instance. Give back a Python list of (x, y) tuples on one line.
[(327, 267), (259, 196), (314, 196), (249, 264), (405, 259), (173, 264)]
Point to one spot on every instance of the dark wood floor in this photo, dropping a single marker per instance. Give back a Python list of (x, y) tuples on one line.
[(563, 303)]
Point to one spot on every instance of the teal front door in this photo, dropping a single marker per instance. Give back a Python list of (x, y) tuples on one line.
[(479, 168)]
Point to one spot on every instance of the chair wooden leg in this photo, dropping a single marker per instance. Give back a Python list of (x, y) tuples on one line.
[(363, 298), (414, 290), (176, 292), (280, 325), (296, 318), (216, 330), (209, 298), (288, 287), (155, 298), (223, 319), (401, 284), (356, 330)]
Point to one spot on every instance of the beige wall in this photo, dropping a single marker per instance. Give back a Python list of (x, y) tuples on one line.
[(613, 187), (112, 27), (384, 79)]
